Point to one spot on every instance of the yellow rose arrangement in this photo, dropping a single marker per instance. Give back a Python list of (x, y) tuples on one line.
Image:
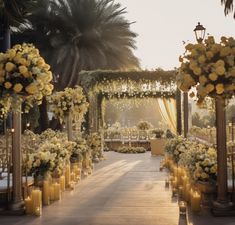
[(24, 73), (209, 66), (70, 100)]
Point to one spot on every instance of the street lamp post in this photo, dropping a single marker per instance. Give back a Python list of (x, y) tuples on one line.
[(200, 32)]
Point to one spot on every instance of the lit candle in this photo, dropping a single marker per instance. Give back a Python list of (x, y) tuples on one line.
[(72, 176), (38, 211), (46, 192), (187, 192), (174, 192), (196, 202), (62, 183), (36, 199), (89, 171), (72, 185), (67, 176), (175, 183), (180, 191), (182, 207), (28, 206), (57, 191), (52, 193)]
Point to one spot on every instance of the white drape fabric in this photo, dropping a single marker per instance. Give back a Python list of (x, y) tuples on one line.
[(167, 109)]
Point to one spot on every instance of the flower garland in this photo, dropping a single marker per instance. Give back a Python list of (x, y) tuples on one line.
[(209, 66), (71, 100), (24, 73)]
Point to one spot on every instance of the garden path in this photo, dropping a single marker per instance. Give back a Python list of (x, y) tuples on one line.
[(125, 189)]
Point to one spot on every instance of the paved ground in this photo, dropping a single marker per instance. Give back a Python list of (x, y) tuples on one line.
[(124, 190)]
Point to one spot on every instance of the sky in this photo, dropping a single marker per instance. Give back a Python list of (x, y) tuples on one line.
[(162, 26)]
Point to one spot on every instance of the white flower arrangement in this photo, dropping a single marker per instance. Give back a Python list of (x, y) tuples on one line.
[(94, 143), (71, 100)]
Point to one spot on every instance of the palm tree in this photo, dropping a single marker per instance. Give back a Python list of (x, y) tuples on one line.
[(75, 35), (228, 6), (12, 14)]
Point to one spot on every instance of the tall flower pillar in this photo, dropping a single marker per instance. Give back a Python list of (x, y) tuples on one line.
[(222, 204), (17, 203)]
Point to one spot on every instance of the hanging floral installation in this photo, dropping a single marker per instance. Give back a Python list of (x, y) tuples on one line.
[(210, 67), (129, 84), (70, 100), (24, 74)]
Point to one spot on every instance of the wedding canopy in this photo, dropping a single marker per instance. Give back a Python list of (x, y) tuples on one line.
[(159, 84)]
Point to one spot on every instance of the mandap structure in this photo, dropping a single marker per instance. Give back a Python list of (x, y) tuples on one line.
[(100, 85)]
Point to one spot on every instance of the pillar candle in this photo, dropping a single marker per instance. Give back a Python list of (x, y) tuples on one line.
[(38, 211), (46, 192), (72, 177), (52, 193), (187, 192), (62, 183), (36, 199), (196, 201), (57, 191), (67, 176), (28, 206)]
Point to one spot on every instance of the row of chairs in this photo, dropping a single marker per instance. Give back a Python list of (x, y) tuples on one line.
[(127, 136)]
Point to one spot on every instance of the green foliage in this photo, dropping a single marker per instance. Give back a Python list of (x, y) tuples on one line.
[(204, 121), (77, 35), (130, 149)]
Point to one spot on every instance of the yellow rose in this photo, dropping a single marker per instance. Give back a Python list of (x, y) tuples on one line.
[(210, 88), (219, 89), (32, 88), (23, 69), (9, 66), (202, 80), (215, 48), (8, 85), (46, 66), (211, 40), (220, 63), (11, 53), (192, 65), (189, 47), (230, 60), (213, 76), (202, 59), (22, 61), (194, 52), (18, 87), (209, 55), (197, 71), (225, 51), (220, 70)]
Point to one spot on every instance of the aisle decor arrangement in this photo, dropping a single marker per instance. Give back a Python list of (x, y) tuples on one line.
[(71, 100), (144, 125), (200, 160), (56, 165), (208, 66), (130, 149), (24, 76), (193, 168), (95, 144)]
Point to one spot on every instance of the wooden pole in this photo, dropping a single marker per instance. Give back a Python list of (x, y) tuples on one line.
[(178, 112), (222, 204), (17, 201), (185, 102)]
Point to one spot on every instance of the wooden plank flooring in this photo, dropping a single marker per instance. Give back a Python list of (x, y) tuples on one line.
[(125, 189)]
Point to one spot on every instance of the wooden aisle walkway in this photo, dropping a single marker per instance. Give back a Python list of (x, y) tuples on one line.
[(125, 189)]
